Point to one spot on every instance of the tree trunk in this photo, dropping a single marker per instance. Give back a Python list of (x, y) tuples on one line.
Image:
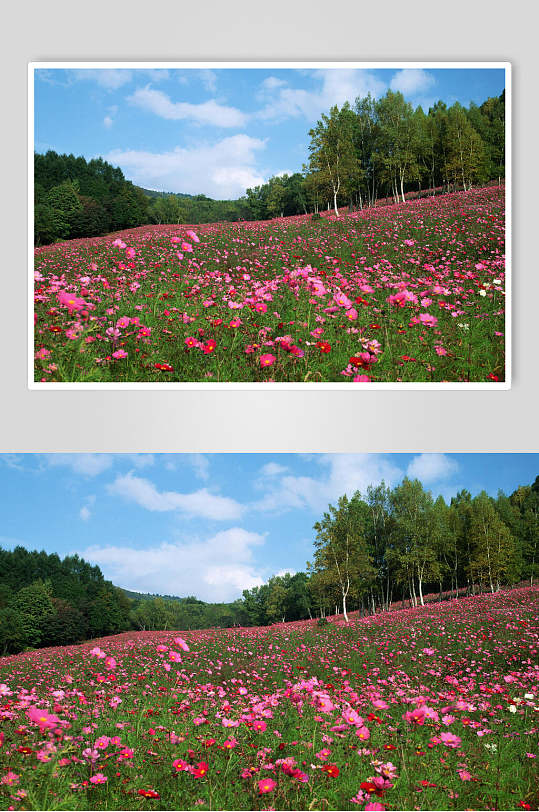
[(344, 607), (420, 586)]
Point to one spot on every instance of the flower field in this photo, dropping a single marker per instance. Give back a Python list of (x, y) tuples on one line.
[(430, 708), (408, 292)]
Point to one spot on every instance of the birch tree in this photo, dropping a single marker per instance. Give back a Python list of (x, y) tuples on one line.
[(341, 551), (332, 153)]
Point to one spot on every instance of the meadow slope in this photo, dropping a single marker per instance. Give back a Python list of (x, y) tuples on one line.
[(406, 292), (427, 708)]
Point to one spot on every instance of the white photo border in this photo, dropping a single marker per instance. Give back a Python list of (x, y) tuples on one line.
[(303, 386)]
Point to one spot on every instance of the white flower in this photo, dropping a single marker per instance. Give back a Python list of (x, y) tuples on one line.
[(512, 708), (528, 696), (482, 293), (497, 281)]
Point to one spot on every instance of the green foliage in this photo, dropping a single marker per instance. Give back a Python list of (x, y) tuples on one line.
[(79, 198), (357, 154)]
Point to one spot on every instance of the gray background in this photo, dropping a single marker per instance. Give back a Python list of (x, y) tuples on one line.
[(269, 420)]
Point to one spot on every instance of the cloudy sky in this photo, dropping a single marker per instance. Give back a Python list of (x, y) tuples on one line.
[(210, 525), (218, 132)]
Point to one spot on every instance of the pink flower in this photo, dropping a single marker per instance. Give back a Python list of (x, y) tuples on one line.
[(192, 236), (267, 359), (119, 354), (187, 247), (374, 806), (416, 716), (98, 778), (71, 301), (352, 717), (45, 720), (428, 320), (174, 656), (130, 253), (266, 785), (110, 663), (10, 778), (181, 643), (450, 740)]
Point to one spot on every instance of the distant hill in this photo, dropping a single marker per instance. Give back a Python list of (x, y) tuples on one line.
[(153, 194), (147, 596)]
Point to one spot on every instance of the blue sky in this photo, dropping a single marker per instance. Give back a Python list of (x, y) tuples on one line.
[(210, 525), (218, 132)]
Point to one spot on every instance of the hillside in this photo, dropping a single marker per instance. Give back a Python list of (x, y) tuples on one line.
[(398, 711)]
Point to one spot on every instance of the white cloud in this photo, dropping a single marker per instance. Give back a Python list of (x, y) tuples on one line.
[(333, 86), (272, 82), (340, 474), (108, 121), (208, 79), (223, 170), (215, 569), (201, 465), (411, 81), (140, 460), (208, 112), (14, 461), (273, 469), (281, 573), (432, 467), (85, 513), (200, 503), (110, 79), (86, 464)]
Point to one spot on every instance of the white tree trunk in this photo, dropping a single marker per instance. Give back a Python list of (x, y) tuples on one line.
[(344, 607)]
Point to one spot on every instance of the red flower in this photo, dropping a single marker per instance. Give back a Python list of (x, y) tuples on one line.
[(331, 769), (164, 367), (209, 346), (149, 793), (323, 346), (492, 377), (200, 770)]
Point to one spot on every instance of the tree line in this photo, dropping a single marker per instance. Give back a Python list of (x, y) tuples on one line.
[(78, 198), (358, 154), (396, 544), (371, 552)]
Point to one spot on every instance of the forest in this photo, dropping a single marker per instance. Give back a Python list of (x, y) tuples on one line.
[(370, 552), (359, 155)]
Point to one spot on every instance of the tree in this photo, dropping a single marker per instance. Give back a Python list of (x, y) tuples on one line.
[(64, 199), (463, 147), (34, 603), (398, 141), (341, 551), (493, 547), (332, 151), (415, 534)]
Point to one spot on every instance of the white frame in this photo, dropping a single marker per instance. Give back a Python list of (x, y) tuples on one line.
[(349, 386)]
